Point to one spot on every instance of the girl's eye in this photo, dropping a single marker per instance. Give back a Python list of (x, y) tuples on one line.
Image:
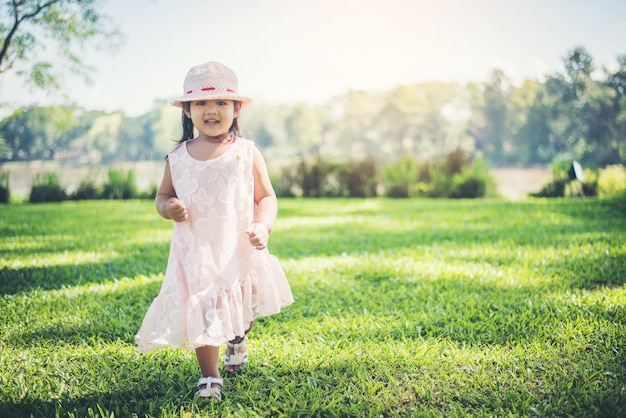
[(222, 103)]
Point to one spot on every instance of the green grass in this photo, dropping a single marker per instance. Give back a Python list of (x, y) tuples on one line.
[(403, 308)]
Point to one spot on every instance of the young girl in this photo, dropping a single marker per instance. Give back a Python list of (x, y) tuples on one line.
[(220, 276)]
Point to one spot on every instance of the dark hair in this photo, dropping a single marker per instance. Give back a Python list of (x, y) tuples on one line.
[(188, 128)]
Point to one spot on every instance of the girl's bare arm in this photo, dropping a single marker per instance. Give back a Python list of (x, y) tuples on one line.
[(166, 202)]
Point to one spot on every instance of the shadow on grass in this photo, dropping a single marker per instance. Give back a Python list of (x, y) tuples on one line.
[(386, 225), (128, 262), (146, 395), (361, 312), (364, 307), (468, 223), (378, 304)]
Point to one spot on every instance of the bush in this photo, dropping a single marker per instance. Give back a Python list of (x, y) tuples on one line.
[(285, 183), (150, 193), (120, 185), (590, 185), (88, 189), (359, 178), (456, 176), (562, 184), (5, 192), (556, 188), (311, 177), (46, 187), (399, 179), (321, 178), (612, 180)]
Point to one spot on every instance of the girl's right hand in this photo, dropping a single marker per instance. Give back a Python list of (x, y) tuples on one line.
[(176, 210)]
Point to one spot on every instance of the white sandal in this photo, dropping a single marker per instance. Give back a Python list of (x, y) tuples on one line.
[(236, 358), (209, 392)]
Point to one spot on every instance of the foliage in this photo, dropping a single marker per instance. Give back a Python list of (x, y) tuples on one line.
[(359, 178), (398, 179), (576, 114), (37, 133), (5, 191), (322, 178), (605, 182), (560, 179), (612, 180), (490, 141), (73, 134), (88, 188), (456, 176), (403, 308), (46, 187), (121, 185), (30, 28)]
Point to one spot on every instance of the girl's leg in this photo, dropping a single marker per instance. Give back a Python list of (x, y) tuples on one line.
[(208, 359), (242, 349)]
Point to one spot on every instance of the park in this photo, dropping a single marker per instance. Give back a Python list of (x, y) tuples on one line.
[(455, 247), (404, 307)]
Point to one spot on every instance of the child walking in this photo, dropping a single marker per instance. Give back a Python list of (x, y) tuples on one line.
[(220, 276)]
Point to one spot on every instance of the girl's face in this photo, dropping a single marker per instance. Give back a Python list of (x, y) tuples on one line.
[(212, 118)]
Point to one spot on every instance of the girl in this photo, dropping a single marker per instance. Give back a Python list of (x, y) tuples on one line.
[(220, 276)]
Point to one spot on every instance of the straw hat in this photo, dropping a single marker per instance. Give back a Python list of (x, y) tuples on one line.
[(210, 81)]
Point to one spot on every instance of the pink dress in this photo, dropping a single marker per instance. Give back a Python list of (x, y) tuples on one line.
[(216, 282)]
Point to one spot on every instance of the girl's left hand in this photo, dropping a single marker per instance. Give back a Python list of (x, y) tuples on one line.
[(258, 235)]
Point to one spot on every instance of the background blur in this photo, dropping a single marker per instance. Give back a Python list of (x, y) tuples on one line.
[(521, 85)]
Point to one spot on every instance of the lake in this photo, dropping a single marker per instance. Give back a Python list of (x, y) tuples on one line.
[(513, 183)]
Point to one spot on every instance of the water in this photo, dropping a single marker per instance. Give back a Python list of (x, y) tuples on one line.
[(147, 174), (512, 183)]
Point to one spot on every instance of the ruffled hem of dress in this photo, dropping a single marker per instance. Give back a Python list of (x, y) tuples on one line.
[(214, 317)]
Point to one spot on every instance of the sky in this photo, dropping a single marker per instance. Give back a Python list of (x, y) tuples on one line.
[(297, 51)]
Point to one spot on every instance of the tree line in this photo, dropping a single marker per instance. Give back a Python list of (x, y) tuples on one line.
[(578, 113)]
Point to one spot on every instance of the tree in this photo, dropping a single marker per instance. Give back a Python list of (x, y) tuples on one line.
[(497, 94), (585, 113), (528, 124), (402, 119), (305, 126), (532, 138), (36, 132), (30, 27), (617, 81)]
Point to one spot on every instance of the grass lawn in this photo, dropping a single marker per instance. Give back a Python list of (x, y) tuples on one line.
[(403, 308)]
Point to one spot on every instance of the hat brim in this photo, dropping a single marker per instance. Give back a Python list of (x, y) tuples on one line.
[(192, 98)]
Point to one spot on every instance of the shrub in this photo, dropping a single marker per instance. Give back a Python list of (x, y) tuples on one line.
[(473, 181), (311, 177), (5, 191), (121, 185), (612, 180), (285, 183), (456, 176), (562, 185), (46, 187), (590, 185), (87, 189), (440, 182), (150, 193), (399, 179), (321, 178), (359, 178), (556, 188)]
